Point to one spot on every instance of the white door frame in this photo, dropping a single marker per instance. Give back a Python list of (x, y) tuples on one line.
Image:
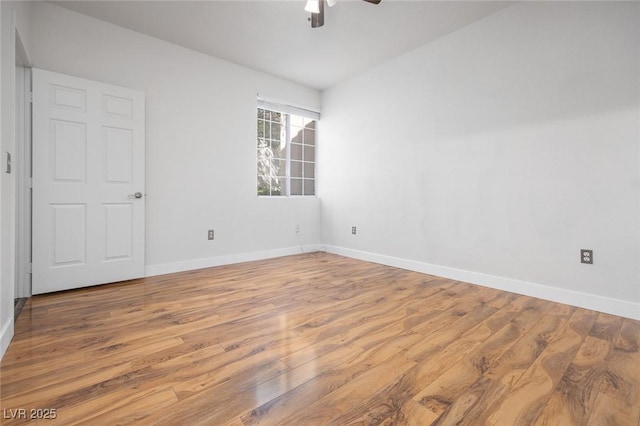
[(22, 163)]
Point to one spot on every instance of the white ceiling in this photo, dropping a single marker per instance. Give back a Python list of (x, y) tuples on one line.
[(275, 36)]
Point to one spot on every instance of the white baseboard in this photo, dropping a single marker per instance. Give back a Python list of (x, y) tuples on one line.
[(6, 336), (208, 262), (594, 302)]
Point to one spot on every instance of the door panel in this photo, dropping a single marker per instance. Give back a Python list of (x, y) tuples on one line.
[(69, 234), (88, 161), (118, 145), (68, 98), (119, 218), (69, 151)]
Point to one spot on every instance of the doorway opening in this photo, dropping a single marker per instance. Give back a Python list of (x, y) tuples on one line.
[(22, 161)]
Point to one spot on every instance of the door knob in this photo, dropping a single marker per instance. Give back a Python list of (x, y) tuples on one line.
[(136, 195)]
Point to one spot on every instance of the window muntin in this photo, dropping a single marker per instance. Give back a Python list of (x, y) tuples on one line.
[(286, 154)]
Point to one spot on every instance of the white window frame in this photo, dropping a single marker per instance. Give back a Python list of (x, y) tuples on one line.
[(289, 110)]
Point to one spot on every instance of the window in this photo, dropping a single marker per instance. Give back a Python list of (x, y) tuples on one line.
[(286, 153)]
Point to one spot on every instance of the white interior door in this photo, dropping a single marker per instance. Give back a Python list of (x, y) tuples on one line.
[(88, 183)]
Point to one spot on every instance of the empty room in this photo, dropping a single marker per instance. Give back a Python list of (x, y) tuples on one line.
[(322, 212)]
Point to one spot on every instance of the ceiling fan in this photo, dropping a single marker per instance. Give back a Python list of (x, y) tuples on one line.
[(316, 8)]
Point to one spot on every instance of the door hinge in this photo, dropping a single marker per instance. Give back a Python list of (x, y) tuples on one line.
[(30, 97), (29, 268), (30, 182)]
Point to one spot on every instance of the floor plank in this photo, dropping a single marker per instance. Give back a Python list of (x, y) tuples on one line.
[(529, 395), (574, 397)]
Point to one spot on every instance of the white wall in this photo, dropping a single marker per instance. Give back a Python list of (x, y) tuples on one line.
[(6, 326), (201, 132), (491, 155), (14, 16), (496, 153)]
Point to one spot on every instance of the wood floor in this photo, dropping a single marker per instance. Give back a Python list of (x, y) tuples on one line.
[(317, 339)]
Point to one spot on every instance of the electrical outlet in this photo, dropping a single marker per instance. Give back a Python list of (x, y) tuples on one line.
[(353, 230), (210, 234), (586, 256)]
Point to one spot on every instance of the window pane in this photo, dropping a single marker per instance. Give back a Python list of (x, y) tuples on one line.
[(309, 137), (263, 185), (279, 186), (263, 162), (310, 124), (296, 134), (278, 148), (260, 113), (309, 170), (309, 187), (277, 131), (309, 153), (296, 186), (296, 152), (297, 120), (296, 169), (278, 168)]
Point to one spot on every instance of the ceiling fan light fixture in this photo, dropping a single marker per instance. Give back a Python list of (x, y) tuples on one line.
[(312, 6)]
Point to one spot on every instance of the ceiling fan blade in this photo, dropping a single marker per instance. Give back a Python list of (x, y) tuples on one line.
[(373, 1), (317, 19)]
